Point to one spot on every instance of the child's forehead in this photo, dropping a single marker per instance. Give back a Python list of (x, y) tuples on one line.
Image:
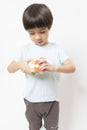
[(37, 29)]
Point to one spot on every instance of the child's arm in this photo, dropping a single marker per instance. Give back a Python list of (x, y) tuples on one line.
[(15, 66), (67, 67)]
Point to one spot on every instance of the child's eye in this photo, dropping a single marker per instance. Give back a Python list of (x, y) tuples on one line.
[(42, 31), (31, 33)]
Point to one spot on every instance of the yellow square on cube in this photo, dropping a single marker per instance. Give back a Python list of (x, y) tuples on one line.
[(32, 70), (36, 65)]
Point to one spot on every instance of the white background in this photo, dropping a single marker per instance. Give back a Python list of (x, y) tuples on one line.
[(70, 31)]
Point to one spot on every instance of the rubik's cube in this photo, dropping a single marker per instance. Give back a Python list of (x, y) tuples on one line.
[(34, 66)]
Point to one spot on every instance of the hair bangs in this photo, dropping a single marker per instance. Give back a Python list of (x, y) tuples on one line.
[(36, 22)]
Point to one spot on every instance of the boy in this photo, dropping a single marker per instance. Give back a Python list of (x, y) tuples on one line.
[(40, 96)]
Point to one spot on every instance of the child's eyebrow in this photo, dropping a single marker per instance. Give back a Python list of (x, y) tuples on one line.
[(31, 30)]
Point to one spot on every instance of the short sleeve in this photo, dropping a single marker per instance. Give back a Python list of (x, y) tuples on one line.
[(62, 56)]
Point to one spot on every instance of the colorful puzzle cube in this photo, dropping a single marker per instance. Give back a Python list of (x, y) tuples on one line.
[(34, 66)]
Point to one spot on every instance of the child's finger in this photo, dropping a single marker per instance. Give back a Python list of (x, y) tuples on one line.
[(43, 66)]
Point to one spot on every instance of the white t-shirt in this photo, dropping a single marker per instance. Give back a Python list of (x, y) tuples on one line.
[(44, 87)]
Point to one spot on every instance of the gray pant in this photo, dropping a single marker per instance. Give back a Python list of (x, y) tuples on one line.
[(49, 111)]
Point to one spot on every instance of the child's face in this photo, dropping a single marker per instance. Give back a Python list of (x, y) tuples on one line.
[(39, 35)]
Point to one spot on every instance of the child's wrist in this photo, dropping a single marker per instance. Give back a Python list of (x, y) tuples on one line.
[(57, 68), (19, 65)]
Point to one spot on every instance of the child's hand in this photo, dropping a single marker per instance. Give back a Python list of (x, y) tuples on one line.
[(45, 66), (48, 67), (24, 66)]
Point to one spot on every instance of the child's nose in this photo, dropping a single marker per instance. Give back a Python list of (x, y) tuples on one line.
[(37, 36)]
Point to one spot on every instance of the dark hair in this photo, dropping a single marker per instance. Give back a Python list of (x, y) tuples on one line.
[(37, 15)]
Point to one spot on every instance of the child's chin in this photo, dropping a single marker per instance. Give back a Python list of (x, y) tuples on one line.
[(40, 44)]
